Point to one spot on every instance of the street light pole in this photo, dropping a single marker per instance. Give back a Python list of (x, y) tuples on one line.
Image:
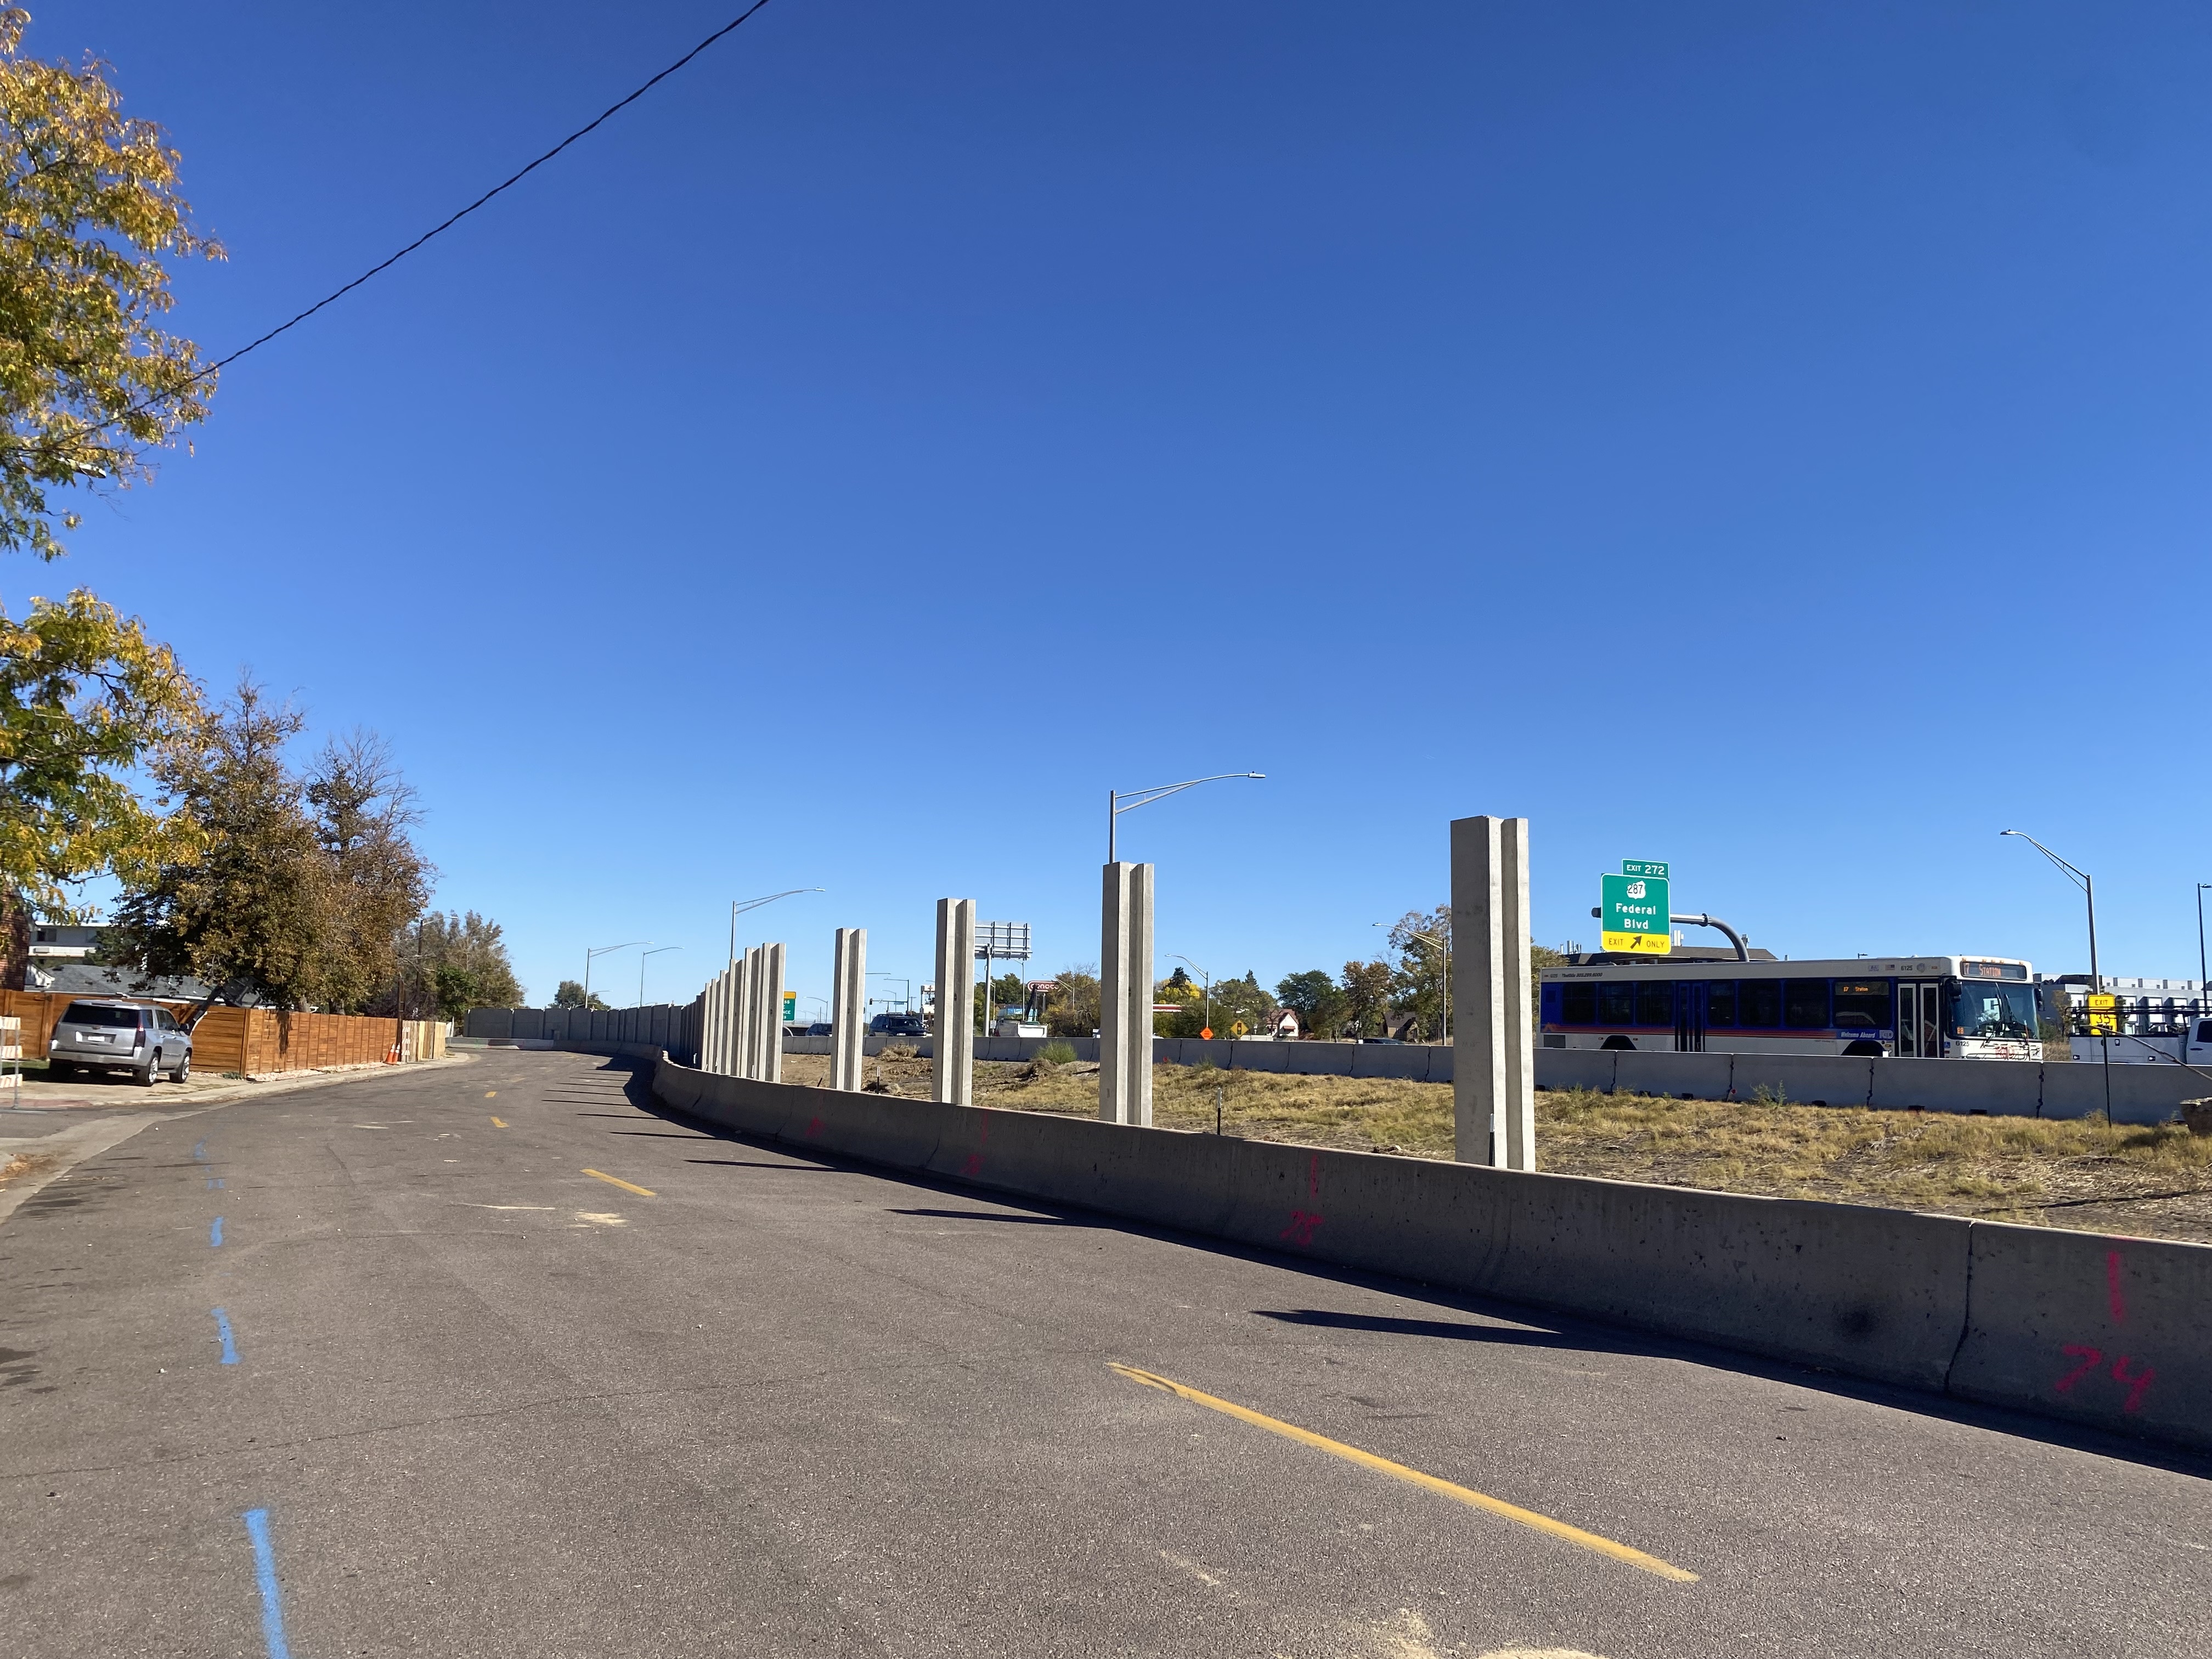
[(600, 950), (1207, 979), (1136, 798), (641, 969), (2080, 878), (2201, 992)]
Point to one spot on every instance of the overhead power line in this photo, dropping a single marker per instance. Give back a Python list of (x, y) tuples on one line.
[(506, 184)]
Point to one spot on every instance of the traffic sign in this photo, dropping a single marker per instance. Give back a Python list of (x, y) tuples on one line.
[(1205, 1032), (2104, 1020), (790, 1007), (1632, 914), (1643, 867)]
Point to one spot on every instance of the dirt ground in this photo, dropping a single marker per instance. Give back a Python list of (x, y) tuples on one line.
[(2153, 1183)]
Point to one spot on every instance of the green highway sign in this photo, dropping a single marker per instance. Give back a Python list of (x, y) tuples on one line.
[(1632, 913), (1643, 867)]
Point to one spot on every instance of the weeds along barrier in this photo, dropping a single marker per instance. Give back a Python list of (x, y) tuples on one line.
[(2108, 1333), (2057, 1089)]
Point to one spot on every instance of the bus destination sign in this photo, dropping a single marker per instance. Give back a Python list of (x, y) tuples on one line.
[(1634, 911)]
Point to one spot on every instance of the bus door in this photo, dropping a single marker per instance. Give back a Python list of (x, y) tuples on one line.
[(1919, 1019), (1690, 1019)]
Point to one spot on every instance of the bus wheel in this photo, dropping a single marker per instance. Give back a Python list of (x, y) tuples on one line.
[(1617, 1043)]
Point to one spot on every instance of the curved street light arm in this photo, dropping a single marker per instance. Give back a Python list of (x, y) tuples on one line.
[(738, 907), (1734, 937), (1136, 798)]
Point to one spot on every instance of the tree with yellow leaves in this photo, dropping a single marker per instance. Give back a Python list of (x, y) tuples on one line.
[(85, 700), (89, 381)]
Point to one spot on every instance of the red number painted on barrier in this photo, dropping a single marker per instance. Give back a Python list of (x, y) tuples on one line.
[(2090, 1358), (1301, 1230), (974, 1163), (2135, 1385), (814, 1128)]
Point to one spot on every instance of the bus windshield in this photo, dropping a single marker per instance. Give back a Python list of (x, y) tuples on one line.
[(1980, 1009)]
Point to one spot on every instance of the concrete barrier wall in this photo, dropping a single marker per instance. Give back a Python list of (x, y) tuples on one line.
[(1990, 1313)]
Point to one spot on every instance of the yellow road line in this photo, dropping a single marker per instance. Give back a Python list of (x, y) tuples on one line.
[(1544, 1523), (499, 1123), (617, 1181)]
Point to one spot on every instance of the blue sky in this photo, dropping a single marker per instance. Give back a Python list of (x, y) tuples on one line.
[(1769, 438)]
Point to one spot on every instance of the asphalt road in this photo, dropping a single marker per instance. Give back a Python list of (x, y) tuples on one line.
[(484, 1402)]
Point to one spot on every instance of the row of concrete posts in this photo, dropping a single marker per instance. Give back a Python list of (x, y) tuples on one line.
[(742, 1033), (1494, 1058)]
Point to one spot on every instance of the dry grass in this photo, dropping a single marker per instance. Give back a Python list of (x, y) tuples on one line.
[(2153, 1183)]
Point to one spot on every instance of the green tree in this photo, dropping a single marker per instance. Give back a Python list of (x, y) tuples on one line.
[(447, 964), (362, 809), (85, 700), (252, 914), (1071, 1008), (1314, 998), (1008, 990), (1422, 939), (570, 994), (1366, 988), (89, 381)]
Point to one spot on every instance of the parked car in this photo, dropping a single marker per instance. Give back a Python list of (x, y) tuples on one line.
[(142, 1039)]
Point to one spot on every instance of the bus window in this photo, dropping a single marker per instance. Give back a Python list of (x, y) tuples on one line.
[(1805, 1004), (1862, 1005), (1578, 1005), (1655, 1003), (1982, 1010), (1720, 1002), (1549, 1002), (1758, 1004)]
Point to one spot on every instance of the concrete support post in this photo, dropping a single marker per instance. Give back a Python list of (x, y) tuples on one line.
[(1493, 1069), (733, 1020), (1125, 995), (742, 1032), (772, 1029), (1520, 1113), (848, 1009), (707, 1024), (710, 1022), (952, 1072)]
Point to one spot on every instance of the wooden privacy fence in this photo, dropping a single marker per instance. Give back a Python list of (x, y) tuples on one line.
[(257, 1042)]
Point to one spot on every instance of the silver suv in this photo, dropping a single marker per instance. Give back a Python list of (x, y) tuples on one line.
[(140, 1038)]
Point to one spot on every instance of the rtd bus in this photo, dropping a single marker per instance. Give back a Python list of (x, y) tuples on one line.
[(1936, 1007)]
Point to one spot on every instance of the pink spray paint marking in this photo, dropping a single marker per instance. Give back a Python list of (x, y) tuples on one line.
[(2112, 1287), (2090, 1358), (974, 1163), (814, 1128), (1301, 1230), (2135, 1385), (1313, 1176)]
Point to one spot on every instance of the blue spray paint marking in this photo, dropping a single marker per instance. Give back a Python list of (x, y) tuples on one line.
[(214, 1233), (215, 1183), (265, 1573), (199, 1151), (222, 1329)]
